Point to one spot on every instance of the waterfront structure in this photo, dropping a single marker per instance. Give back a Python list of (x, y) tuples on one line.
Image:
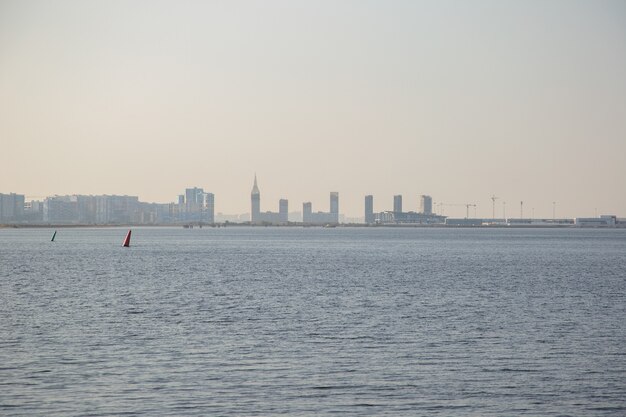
[(514, 222), (257, 217), (602, 221), (397, 203), (322, 218), (410, 217), (11, 208), (426, 204), (397, 216), (369, 209), (464, 222)]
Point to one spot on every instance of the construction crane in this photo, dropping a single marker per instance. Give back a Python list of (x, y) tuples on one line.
[(466, 205)]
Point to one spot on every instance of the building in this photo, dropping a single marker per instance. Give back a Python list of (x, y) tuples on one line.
[(194, 200), (89, 209), (397, 216), (11, 208), (307, 210), (602, 221), (255, 201), (426, 204), (369, 209), (208, 205), (319, 218), (334, 205), (283, 210), (195, 205), (464, 222), (397, 203), (60, 210), (410, 217), (322, 218), (193, 196), (257, 217), (33, 211)]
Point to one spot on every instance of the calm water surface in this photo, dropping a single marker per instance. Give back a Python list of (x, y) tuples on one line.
[(269, 321)]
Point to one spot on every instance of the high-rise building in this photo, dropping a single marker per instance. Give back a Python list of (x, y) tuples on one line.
[(307, 210), (11, 207), (208, 208), (193, 197), (334, 206), (268, 217), (194, 202), (255, 201), (89, 209), (283, 210), (369, 209), (426, 204), (320, 217), (397, 203)]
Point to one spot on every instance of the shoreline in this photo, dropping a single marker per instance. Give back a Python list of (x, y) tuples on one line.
[(300, 225)]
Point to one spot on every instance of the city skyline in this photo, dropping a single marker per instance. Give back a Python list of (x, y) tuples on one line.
[(525, 101), (196, 205), (455, 207)]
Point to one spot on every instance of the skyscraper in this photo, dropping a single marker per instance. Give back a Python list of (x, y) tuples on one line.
[(255, 200), (267, 217), (193, 196), (334, 206), (194, 203), (283, 210), (426, 204), (208, 207), (397, 203), (307, 210), (369, 209)]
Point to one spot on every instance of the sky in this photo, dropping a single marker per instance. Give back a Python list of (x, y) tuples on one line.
[(460, 100)]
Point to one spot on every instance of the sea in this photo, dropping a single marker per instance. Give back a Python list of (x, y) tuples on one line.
[(267, 321)]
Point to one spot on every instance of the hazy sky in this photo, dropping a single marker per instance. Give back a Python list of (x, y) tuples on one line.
[(457, 99)]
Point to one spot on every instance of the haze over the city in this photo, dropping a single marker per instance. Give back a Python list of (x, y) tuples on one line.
[(525, 100)]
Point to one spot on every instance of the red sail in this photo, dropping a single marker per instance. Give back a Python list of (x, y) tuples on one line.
[(127, 240)]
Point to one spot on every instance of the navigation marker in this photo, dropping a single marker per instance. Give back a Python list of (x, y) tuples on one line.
[(127, 240)]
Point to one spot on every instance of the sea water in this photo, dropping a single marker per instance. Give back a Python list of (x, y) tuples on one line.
[(261, 321)]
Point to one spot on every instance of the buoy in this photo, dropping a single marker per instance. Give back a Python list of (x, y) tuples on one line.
[(127, 240)]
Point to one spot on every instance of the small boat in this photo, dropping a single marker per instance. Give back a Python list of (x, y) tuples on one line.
[(53, 236), (127, 240)]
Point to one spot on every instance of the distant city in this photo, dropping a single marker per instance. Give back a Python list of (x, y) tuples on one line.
[(197, 208)]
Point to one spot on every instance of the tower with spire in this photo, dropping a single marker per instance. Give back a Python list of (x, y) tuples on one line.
[(255, 200)]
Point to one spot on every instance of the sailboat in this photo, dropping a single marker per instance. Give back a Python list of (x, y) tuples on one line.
[(127, 240)]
